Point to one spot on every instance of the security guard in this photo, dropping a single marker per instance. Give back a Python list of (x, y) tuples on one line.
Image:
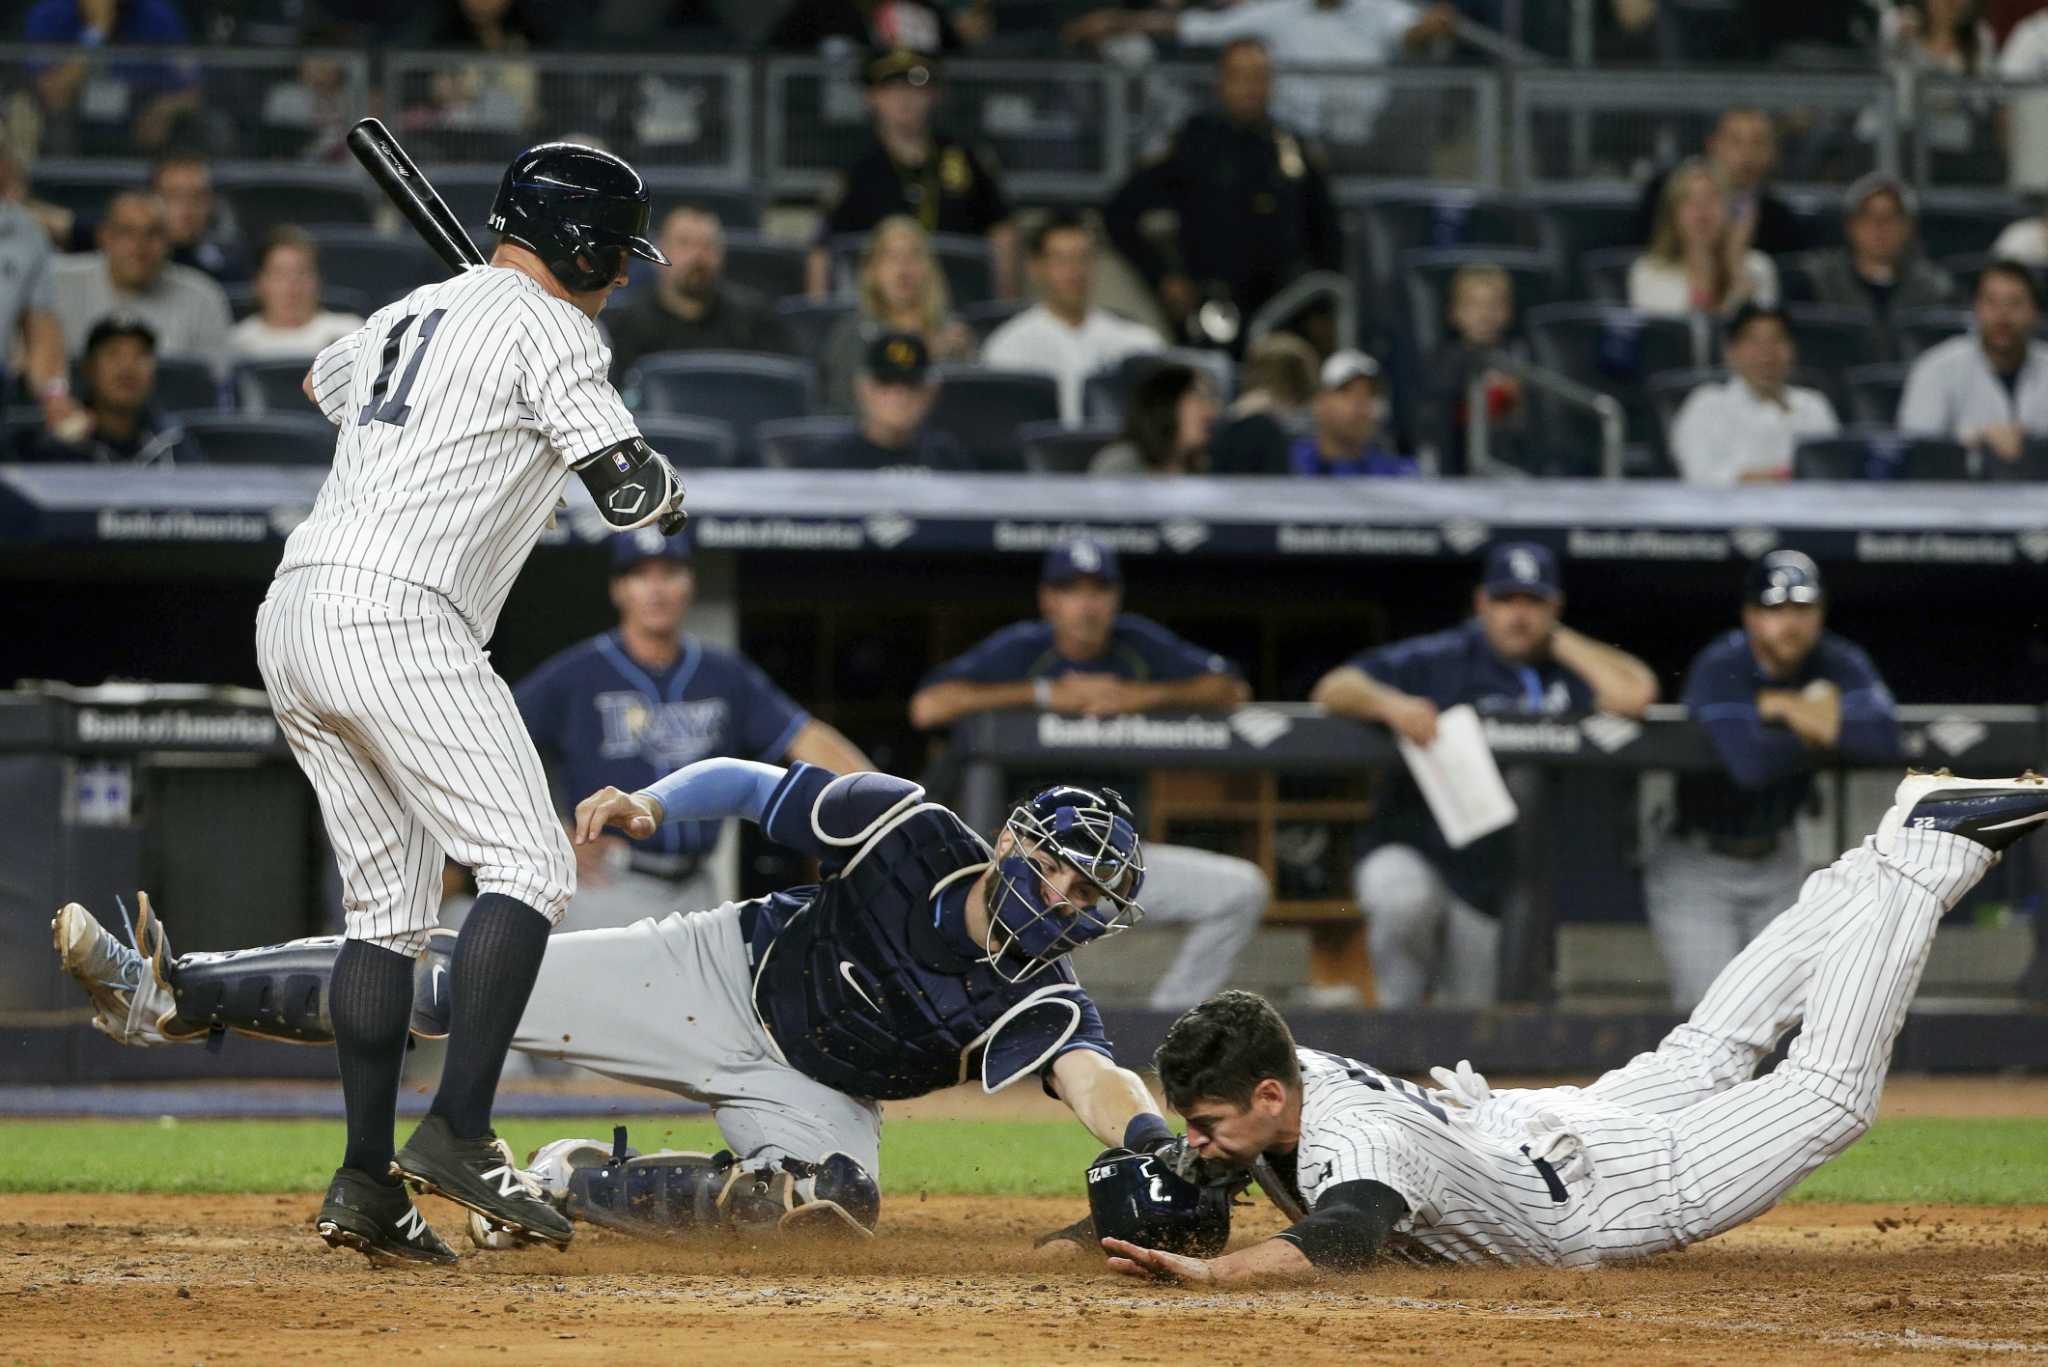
[(1432, 912), (1779, 697), (640, 701), (909, 168), (1254, 209)]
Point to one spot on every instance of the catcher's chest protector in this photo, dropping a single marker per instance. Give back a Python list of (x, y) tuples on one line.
[(862, 990)]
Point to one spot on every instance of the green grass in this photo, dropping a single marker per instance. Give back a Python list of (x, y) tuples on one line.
[(1985, 1162)]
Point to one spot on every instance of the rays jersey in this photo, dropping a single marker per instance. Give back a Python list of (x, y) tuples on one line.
[(459, 411), (868, 982)]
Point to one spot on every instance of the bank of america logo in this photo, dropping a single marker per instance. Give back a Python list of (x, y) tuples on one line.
[(1609, 732), (1259, 727), (1754, 541), (2033, 545), (889, 530), (1954, 735), (1465, 535), (1184, 534)]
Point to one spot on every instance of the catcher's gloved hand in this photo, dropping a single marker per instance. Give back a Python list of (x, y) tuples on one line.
[(1463, 1088)]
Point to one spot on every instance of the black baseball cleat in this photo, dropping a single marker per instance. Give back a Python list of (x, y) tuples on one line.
[(478, 1173), (1994, 812), (377, 1220)]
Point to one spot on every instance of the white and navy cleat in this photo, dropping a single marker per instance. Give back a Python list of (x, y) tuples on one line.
[(130, 988), (1994, 812)]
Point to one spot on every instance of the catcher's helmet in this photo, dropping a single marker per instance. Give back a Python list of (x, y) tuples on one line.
[(578, 209)]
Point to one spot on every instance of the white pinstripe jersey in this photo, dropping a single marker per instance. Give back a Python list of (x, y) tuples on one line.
[(460, 409), (1472, 1194)]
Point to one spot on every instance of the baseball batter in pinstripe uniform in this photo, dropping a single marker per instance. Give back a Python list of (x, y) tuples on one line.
[(462, 408), (1676, 1146)]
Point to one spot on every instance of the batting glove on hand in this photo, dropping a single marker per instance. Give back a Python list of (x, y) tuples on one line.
[(1463, 1087), (673, 518)]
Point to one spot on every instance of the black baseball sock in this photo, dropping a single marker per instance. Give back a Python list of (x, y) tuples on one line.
[(370, 999), (497, 957)]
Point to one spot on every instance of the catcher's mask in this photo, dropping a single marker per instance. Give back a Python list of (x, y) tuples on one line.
[(1031, 924)]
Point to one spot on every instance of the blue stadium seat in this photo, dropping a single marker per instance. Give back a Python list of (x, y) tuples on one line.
[(1962, 229), (1572, 225), (1105, 393), (739, 388), (1835, 339), (185, 384), (381, 267), (772, 265), (1609, 349), (1427, 273), (2030, 468), (810, 321), (273, 387), (983, 409), (1051, 448), (1874, 392), (1603, 273), (805, 443), (333, 298), (278, 195), (269, 439), (1864, 453), (988, 315), (1400, 223), (690, 443)]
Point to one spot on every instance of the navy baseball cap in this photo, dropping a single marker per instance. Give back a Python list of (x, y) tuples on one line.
[(1080, 557), (1521, 567), (1783, 577), (647, 543), (898, 358)]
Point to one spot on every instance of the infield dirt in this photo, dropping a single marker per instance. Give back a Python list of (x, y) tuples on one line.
[(186, 1279)]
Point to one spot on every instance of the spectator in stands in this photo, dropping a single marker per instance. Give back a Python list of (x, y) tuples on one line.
[(203, 232), (1481, 314), (1167, 425), (1881, 271), (901, 289), (67, 231), (1743, 431), (163, 97), (1348, 411), (692, 306), (186, 311), (1238, 248), (1086, 657), (943, 185), (1942, 38), (2025, 240), (894, 392), (1431, 911), (500, 96), (31, 342), (1064, 335), (1302, 35), (2024, 57), (289, 322), (118, 422), (1778, 698), (809, 25), (1271, 408), (1990, 387), (1700, 260), (1743, 151)]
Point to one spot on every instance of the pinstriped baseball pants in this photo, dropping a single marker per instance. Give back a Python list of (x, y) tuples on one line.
[(414, 746)]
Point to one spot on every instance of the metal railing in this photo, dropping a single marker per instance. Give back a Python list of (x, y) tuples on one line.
[(1605, 408)]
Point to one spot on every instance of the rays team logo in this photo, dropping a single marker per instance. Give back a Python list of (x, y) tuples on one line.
[(1608, 732), (1465, 535), (1954, 735), (2033, 545), (1754, 541), (666, 735), (1259, 727), (890, 530), (1184, 534)]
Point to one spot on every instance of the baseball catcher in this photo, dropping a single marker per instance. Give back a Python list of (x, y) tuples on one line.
[(1679, 1145), (924, 957)]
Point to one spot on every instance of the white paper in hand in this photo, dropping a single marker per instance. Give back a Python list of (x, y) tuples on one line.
[(1459, 779)]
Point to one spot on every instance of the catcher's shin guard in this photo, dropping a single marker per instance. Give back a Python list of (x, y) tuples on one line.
[(281, 992)]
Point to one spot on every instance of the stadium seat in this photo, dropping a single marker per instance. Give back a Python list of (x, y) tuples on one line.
[(773, 266), (1880, 454), (1795, 279), (1104, 394), (84, 188), (1964, 268), (1835, 339), (1961, 229), (805, 443), (380, 266), (273, 387), (1821, 214), (278, 195), (737, 211), (810, 321), (983, 409), (333, 298), (734, 387), (2031, 467), (1603, 346), (266, 439), (690, 443), (1874, 392), (1570, 227), (988, 315), (1051, 448), (468, 192), (184, 384), (1929, 327), (1604, 273), (1427, 274), (1397, 224)]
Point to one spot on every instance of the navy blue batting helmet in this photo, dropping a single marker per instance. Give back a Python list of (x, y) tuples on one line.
[(580, 210)]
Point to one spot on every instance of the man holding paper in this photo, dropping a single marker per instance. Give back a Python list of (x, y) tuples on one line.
[(1432, 905)]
